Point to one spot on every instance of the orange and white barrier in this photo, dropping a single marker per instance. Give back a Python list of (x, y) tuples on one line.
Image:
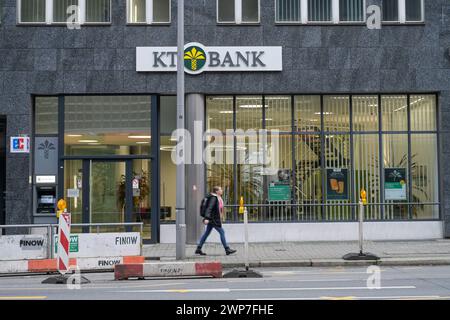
[(167, 269), (63, 242), (83, 264)]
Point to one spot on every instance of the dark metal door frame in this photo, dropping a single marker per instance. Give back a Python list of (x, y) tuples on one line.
[(2, 170)]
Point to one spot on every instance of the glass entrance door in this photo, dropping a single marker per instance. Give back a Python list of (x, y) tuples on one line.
[(107, 194), (109, 191)]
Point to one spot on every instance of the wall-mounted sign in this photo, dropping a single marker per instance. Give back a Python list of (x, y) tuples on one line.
[(395, 184), (337, 184), (20, 145), (46, 155), (45, 179), (198, 58), (73, 193), (280, 186)]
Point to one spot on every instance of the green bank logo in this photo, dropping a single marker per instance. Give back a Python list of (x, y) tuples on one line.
[(194, 58)]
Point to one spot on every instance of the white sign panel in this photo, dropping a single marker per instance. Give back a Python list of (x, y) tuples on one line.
[(45, 179), (91, 245), (20, 145), (73, 193), (198, 59), (20, 247)]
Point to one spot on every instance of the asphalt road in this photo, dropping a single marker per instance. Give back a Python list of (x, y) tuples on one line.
[(280, 283)]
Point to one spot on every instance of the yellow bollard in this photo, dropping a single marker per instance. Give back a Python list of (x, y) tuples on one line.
[(241, 206), (364, 196)]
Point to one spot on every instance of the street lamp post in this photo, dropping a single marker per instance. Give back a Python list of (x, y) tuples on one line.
[(180, 189)]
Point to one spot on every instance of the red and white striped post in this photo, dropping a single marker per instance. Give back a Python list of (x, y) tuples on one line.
[(63, 242)]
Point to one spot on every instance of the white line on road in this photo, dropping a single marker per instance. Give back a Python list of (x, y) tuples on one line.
[(263, 289)]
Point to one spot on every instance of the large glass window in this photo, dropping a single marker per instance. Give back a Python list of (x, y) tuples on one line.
[(98, 11), (228, 11), (46, 115), (148, 11), (288, 10), (336, 113), (60, 9), (136, 11), (320, 168), (107, 125), (390, 10), (351, 10), (365, 113), (319, 10), (403, 11), (414, 10), (32, 11)]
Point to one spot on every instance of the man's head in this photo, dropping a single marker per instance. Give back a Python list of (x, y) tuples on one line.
[(217, 190)]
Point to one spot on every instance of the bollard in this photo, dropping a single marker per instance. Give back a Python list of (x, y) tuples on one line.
[(361, 225)]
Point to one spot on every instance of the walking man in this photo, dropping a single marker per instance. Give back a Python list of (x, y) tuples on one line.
[(213, 214)]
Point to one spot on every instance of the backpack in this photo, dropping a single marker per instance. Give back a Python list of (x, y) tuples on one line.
[(204, 205)]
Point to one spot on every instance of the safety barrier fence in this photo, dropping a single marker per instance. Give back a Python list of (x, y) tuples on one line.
[(38, 241), (334, 212)]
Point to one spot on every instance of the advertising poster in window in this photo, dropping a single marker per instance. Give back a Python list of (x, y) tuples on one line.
[(337, 184), (395, 184), (280, 186)]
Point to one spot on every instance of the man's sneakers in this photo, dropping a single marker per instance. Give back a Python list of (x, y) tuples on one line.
[(200, 252), (229, 251)]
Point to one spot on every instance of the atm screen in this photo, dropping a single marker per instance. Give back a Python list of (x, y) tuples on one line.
[(47, 199)]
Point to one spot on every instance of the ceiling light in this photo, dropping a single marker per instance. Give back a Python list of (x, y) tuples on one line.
[(74, 135), (87, 141), (227, 112), (142, 142), (139, 137), (325, 113)]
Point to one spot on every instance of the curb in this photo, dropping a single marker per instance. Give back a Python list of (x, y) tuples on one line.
[(167, 269), (49, 265), (429, 261)]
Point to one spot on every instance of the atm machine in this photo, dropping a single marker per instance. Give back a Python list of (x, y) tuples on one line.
[(45, 179)]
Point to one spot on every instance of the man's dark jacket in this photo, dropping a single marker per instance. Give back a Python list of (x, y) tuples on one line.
[(212, 212)]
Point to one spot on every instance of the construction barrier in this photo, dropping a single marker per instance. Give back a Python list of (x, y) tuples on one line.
[(83, 264), (167, 269), (88, 251)]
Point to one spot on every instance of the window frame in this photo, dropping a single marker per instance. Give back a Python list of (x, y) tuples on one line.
[(402, 14), (148, 17), (335, 15), (238, 14), (49, 19)]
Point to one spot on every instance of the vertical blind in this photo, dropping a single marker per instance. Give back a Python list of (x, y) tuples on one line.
[(390, 10), (98, 10), (288, 10), (319, 10), (32, 11), (60, 9), (351, 10)]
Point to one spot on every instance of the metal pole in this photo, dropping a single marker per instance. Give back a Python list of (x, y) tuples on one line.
[(361, 220), (247, 264), (180, 189)]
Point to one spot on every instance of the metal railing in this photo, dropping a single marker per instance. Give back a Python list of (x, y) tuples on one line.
[(292, 212), (52, 229)]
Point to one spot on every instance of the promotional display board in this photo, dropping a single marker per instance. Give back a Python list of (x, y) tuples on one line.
[(337, 184), (91, 245), (395, 184), (280, 186), (20, 247)]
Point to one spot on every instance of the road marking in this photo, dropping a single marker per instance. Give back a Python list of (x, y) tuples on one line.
[(22, 297), (338, 298), (113, 286), (361, 298), (262, 289)]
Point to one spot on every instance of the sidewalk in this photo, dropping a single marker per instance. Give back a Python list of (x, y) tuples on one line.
[(320, 254)]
